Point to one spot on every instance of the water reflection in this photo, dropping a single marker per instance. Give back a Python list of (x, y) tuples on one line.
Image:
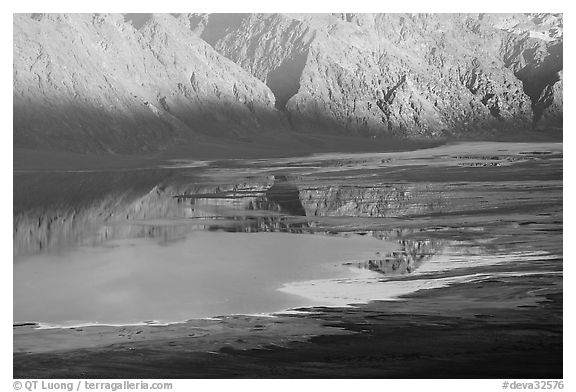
[(412, 254), (276, 208), (379, 200), (283, 196), (166, 244), (101, 244), (98, 207), (204, 274)]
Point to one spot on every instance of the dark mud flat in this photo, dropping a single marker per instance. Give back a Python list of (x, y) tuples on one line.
[(469, 286)]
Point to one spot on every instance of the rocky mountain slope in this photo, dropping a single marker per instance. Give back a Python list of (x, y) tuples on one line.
[(94, 82), (102, 83), (415, 75)]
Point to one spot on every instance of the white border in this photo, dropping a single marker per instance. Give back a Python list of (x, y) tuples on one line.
[(289, 6)]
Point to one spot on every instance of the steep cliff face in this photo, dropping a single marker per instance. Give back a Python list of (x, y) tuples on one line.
[(533, 50), (94, 82), (90, 82), (272, 48), (407, 75)]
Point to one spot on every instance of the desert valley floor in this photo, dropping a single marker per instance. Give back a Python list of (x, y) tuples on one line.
[(444, 262)]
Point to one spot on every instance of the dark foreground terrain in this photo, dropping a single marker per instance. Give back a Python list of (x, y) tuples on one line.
[(414, 339), (474, 289)]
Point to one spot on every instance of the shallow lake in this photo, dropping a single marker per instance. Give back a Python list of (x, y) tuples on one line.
[(204, 274), (181, 241)]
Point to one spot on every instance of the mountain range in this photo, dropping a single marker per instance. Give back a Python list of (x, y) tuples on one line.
[(139, 83)]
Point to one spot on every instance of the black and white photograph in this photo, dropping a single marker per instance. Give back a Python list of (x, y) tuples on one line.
[(287, 196)]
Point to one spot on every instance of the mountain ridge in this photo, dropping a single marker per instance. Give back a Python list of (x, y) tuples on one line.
[(99, 83)]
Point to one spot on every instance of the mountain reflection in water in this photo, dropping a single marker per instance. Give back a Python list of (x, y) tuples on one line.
[(129, 227), (405, 261), (250, 209), (129, 205)]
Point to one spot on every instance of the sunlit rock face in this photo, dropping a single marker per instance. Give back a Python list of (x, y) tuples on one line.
[(411, 75), (96, 82)]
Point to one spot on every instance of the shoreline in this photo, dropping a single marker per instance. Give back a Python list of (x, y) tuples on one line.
[(493, 317), (31, 161), (407, 285), (446, 332), (445, 283)]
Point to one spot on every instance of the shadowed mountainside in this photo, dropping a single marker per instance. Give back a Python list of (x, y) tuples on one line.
[(95, 83)]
